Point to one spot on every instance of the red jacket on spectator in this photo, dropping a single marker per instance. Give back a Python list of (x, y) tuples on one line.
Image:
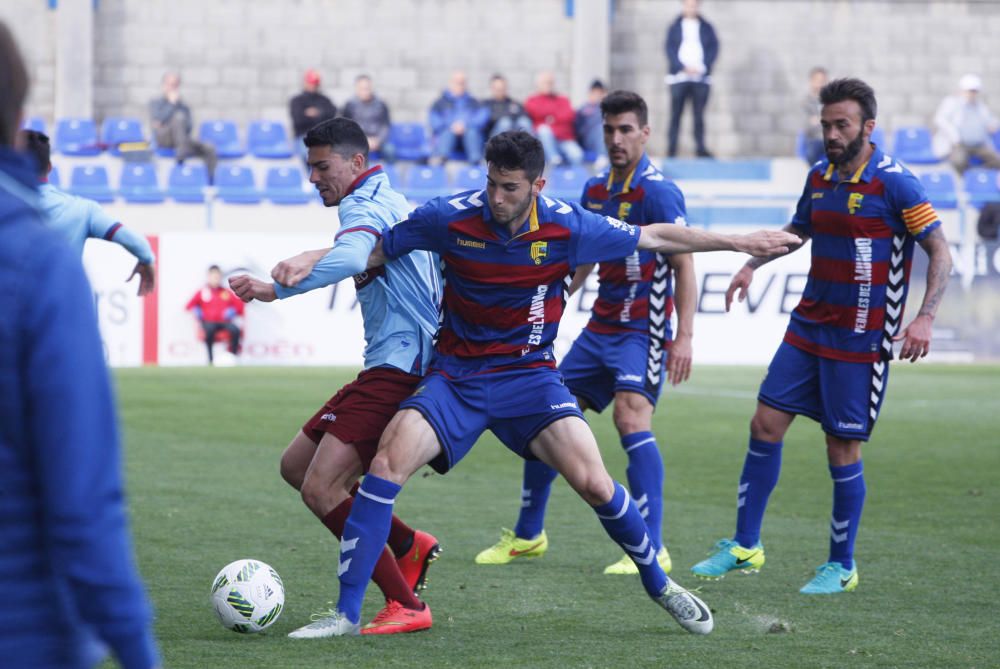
[(554, 111), (215, 305)]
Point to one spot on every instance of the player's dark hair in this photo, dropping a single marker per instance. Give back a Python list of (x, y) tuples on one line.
[(13, 83), (36, 144), (344, 137), (516, 150), (621, 102), (839, 90), (214, 268)]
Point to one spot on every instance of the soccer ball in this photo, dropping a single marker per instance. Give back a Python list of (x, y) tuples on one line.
[(248, 596)]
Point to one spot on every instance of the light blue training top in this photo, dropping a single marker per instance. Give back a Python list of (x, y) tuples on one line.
[(400, 300), (78, 219)]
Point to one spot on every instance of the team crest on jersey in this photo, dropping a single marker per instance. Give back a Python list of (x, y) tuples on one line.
[(539, 250), (854, 202), (623, 210)]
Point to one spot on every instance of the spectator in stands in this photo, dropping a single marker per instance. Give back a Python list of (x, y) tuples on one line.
[(505, 112), (457, 120), (309, 107), (692, 48), (965, 126), (172, 125), (68, 572), (217, 309), (589, 124), (812, 132), (372, 114), (552, 116)]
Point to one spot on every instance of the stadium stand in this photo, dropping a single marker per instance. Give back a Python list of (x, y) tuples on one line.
[(54, 176), (187, 183), (424, 182), (982, 186), (36, 123), (283, 185), (941, 190), (682, 169), (139, 184), (469, 177), (120, 130), (236, 185), (757, 216), (91, 181), (268, 139), (567, 183), (223, 135), (76, 137), (410, 141), (912, 145)]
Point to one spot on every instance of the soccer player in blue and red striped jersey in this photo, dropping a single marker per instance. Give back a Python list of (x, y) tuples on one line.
[(863, 212), (622, 353), (507, 252)]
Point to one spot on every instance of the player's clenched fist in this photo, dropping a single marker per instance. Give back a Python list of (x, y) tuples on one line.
[(248, 288)]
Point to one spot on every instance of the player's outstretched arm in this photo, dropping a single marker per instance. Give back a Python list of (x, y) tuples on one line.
[(248, 288), (669, 238), (916, 336), (147, 277), (741, 280), (291, 271)]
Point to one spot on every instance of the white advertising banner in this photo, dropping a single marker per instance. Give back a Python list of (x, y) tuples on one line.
[(324, 327)]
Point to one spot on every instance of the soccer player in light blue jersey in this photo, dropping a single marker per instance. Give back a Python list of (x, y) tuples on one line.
[(507, 252), (78, 219), (399, 306)]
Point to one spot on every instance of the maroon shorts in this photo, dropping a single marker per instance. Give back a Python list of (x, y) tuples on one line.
[(360, 411)]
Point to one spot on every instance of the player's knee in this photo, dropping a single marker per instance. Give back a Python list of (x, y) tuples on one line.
[(596, 488), (291, 471), (628, 422), (387, 465), (841, 452), (765, 430)]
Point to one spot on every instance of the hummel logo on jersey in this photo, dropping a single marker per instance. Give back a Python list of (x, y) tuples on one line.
[(471, 243), (854, 202), (620, 225), (329, 417), (635, 378), (564, 405)]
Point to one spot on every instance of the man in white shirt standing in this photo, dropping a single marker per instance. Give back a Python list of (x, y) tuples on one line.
[(692, 48), (966, 125)]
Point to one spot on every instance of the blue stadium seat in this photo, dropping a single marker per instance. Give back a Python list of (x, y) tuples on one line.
[(469, 177), (187, 183), (425, 182), (750, 169), (395, 176), (981, 185), (878, 138), (940, 189), (236, 185), (410, 141), (115, 131), (91, 181), (139, 184), (76, 137), (996, 140), (36, 123), (223, 136), (54, 176), (268, 139), (913, 145), (284, 186), (566, 183), (768, 217)]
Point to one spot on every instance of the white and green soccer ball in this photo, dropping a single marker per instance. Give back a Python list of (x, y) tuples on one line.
[(248, 596)]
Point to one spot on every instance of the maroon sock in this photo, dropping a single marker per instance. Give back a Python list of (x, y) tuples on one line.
[(387, 575), (400, 537)]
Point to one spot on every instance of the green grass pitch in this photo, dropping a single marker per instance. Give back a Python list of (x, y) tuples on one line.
[(202, 448)]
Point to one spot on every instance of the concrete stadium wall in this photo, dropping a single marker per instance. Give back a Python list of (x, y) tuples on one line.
[(243, 59)]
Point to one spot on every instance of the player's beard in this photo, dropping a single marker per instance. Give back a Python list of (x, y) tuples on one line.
[(850, 152), (518, 211)]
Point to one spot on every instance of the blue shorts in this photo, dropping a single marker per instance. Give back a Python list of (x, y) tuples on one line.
[(844, 397), (600, 365), (515, 405)]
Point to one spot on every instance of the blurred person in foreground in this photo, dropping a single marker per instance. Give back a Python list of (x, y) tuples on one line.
[(78, 219), (965, 126), (66, 568), (864, 213)]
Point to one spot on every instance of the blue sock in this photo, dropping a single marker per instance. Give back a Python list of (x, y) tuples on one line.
[(645, 481), (760, 475), (365, 534), (848, 501), (623, 523), (537, 484)]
